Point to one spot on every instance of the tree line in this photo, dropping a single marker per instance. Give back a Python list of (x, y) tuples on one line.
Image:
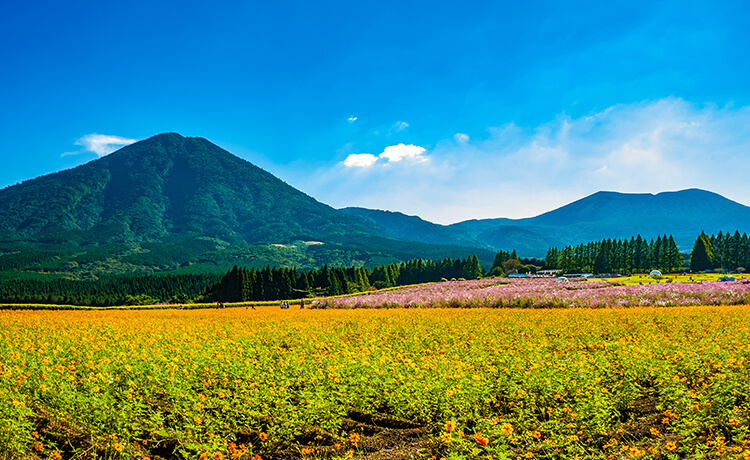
[(720, 251), (636, 255), (730, 251), (106, 292), (241, 284)]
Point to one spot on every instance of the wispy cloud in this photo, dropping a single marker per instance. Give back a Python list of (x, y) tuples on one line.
[(461, 138), (100, 144), (517, 171), (352, 119), (400, 126), (391, 154)]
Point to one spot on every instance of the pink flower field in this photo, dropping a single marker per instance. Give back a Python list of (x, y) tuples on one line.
[(546, 293)]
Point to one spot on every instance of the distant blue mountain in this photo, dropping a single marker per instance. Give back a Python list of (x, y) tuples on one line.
[(683, 214)]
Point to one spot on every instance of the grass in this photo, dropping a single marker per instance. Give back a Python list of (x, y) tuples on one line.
[(669, 278)]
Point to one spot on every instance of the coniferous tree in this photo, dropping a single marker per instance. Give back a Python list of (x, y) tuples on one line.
[(361, 281), (657, 254), (472, 269), (550, 260), (602, 262), (702, 254), (673, 256), (500, 258), (303, 285)]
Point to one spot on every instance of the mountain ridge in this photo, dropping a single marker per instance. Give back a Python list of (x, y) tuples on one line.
[(605, 214)]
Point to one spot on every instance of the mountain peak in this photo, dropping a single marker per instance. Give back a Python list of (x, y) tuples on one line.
[(165, 185)]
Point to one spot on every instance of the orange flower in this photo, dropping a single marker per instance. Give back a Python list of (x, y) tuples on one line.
[(354, 438), (481, 440), (507, 429), (263, 436), (450, 425)]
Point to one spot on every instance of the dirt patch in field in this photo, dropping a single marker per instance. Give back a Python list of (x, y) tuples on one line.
[(372, 436)]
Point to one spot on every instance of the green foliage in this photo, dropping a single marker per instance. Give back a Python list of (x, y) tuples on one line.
[(498, 265), (30, 259), (141, 299), (168, 254)]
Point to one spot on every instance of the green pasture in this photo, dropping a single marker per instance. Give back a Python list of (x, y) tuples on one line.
[(644, 278)]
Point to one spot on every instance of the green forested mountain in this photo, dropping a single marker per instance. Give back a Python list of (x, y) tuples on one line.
[(179, 203), (167, 185)]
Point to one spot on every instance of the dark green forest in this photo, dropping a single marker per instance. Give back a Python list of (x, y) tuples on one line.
[(242, 284), (120, 290)]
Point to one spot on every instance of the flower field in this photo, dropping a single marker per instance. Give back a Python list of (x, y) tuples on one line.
[(547, 293), (239, 383)]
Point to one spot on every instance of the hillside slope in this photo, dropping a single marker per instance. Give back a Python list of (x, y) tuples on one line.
[(169, 184)]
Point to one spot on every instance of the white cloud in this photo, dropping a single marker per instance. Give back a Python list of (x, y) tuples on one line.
[(101, 144), (360, 160), (461, 138), (517, 171), (352, 119), (398, 152), (400, 126), (391, 154)]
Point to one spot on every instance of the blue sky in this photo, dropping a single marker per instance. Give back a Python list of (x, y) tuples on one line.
[(446, 110)]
